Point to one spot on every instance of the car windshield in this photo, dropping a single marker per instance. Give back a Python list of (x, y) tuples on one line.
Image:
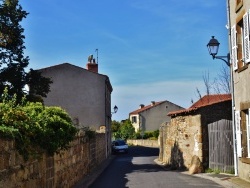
[(121, 142)]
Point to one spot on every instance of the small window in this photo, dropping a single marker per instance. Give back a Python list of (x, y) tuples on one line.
[(239, 4), (239, 38), (248, 132), (244, 147), (134, 119)]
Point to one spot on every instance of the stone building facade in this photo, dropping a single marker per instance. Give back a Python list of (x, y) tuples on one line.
[(187, 134), (239, 40)]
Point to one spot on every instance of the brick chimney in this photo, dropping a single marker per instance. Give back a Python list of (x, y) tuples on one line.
[(141, 106), (92, 65)]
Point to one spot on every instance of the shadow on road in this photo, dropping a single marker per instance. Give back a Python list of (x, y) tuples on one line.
[(123, 165), (137, 169)]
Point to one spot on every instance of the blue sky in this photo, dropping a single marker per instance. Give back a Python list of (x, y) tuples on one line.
[(152, 50)]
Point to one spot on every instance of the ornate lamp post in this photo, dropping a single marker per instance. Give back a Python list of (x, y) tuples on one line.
[(213, 47), (115, 109)]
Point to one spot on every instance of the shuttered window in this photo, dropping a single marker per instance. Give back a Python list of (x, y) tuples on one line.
[(238, 133), (246, 44), (248, 133), (134, 119), (234, 48)]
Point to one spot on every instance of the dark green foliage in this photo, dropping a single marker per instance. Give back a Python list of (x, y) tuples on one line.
[(127, 130), (124, 130), (156, 133), (115, 126), (39, 85), (153, 135), (34, 127), (12, 59)]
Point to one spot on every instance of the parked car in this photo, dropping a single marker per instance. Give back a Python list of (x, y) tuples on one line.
[(119, 146)]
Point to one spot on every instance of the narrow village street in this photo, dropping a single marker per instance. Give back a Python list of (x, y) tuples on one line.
[(124, 94), (137, 169)]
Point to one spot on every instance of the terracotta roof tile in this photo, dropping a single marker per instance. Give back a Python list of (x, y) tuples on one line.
[(204, 101), (145, 108)]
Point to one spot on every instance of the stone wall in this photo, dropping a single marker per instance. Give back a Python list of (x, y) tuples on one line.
[(64, 169), (181, 139), (244, 170), (141, 142), (187, 135)]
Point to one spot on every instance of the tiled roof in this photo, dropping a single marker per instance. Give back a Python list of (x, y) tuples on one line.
[(204, 101), (145, 108)]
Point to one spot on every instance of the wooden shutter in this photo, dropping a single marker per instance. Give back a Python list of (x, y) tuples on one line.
[(246, 37), (234, 48), (238, 133)]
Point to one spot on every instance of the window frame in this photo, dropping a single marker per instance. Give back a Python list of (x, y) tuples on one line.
[(239, 4), (238, 132), (134, 119), (240, 42), (242, 123), (248, 132), (245, 37)]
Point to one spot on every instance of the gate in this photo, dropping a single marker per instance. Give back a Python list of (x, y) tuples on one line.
[(221, 146)]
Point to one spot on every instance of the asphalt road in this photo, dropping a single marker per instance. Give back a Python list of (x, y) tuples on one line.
[(137, 169)]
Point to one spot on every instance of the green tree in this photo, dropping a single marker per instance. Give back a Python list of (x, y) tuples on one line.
[(127, 131), (115, 126), (39, 85), (12, 59), (115, 129)]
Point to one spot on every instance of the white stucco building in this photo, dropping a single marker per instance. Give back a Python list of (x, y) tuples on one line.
[(150, 117)]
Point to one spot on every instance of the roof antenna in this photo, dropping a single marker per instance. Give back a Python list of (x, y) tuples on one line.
[(96, 55)]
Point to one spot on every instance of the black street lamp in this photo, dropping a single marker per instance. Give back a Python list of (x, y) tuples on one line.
[(115, 109), (213, 48)]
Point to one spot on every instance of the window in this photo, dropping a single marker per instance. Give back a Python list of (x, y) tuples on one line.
[(245, 38), (239, 4), (238, 133), (248, 133), (242, 122), (240, 42), (134, 119)]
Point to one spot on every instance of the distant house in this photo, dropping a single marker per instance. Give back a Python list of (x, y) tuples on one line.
[(186, 135), (150, 117), (83, 93)]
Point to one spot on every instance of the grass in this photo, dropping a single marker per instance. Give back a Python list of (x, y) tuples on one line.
[(217, 171)]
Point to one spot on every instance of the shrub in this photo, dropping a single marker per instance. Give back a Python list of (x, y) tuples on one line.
[(152, 135), (35, 127)]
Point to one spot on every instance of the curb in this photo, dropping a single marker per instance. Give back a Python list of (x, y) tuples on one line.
[(225, 180)]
